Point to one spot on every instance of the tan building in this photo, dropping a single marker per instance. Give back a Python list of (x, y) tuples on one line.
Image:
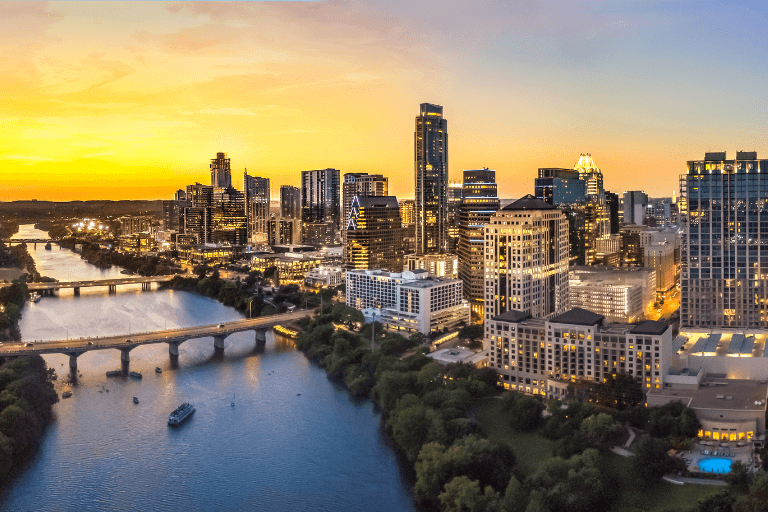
[(440, 265)]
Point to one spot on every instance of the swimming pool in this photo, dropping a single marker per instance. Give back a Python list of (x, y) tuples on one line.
[(715, 465)]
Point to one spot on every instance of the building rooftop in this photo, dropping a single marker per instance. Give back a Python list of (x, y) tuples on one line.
[(653, 327), (378, 202), (528, 202), (578, 316), (513, 316), (715, 393)]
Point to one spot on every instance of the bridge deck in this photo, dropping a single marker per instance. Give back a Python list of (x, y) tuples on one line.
[(98, 282), (75, 346)]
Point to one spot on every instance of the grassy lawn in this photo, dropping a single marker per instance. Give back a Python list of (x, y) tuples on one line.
[(532, 449)]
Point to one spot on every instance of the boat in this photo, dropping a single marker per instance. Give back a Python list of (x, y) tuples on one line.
[(35, 297), (181, 414), (135, 375), (66, 394), (158, 370), (114, 373), (127, 272), (233, 400), (48, 246), (135, 400)]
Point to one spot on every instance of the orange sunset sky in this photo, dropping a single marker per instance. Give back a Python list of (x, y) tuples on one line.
[(131, 100)]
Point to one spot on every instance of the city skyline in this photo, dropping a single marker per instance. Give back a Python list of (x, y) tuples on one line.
[(111, 111)]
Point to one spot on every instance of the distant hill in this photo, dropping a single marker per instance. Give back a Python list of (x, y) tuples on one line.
[(40, 210)]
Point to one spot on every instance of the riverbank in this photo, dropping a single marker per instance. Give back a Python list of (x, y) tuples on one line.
[(103, 258)]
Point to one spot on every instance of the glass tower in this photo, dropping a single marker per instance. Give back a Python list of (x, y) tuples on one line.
[(724, 246), (431, 168)]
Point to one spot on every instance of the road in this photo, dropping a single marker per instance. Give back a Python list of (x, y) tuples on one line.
[(132, 340)]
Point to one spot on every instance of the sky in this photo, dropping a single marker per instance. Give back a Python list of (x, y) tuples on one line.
[(131, 100)]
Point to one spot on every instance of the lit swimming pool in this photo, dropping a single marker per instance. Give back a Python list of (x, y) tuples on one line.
[(715, 465)]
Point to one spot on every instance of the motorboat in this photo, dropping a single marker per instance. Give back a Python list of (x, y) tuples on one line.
[(180, 414), (66, 394), (135, 400), (135, 375), (158, 370), (35, 297)]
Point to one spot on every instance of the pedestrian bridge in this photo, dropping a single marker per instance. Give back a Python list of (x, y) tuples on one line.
[(11, 241), (173, 337), (111, 284)]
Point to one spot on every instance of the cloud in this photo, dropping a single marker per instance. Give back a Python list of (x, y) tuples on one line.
[(227, 111)]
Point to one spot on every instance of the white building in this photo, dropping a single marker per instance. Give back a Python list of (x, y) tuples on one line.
[(325, 276), (440, 265), (526, 259), (410, 301), (619, 294), (542, 357)]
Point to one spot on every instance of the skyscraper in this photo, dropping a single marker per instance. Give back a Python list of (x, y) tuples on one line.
[(635, 203), (526, 260), (221, 175), (454, 200), (374, 234), (290, 202), (589, 173), (560, 186), (724, 247), (478, 202), (257, 196), (321, 206), (230, 223), (612, 202), (431, 168), (359, 184)]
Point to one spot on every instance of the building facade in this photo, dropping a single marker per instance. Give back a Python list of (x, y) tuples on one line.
[(374, 234), (634, 204), (408, 301), (321, 206), (479, 201), (542, 357), (290, 202), (221, 174), (526, 260), (431, 169), (440, 265), (724, 249), (560, 187), (283, 231)]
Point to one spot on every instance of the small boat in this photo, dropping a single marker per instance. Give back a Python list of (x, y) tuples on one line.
[(233, 400), (35, 297), (114, 373), (66, 394), (180, 414), (135, 400), (126, 272), (48, 246), (135, 375), (298, 394), (158, 370)]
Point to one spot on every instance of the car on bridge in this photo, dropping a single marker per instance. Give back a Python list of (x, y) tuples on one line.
[(128, 340), (28, 344), (221, 326), (90, 343)]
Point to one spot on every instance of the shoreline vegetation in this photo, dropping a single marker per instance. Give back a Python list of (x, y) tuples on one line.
[(105, 258)]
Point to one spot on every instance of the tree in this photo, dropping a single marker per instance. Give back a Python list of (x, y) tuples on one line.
[(525, 411), (719, 502), (601, 429), (739, 477), (573, 485), (651, 461), (472, 333), (464, 495), (757, 499)]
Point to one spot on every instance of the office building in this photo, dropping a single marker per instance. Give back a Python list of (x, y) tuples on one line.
[(526, 260), (199, 195), (173, 215), (440, 265), (724, 251), (479, 201), (431, 168), (283, 231), (661, 212), (613, 203), (590, 174), (374, 234), (290, 267), (325, 276), (221, 175), (545, 357), (198, 223), (321, 206), (620, 295), (257, 199), (634, 204), (560, 187), (454, 200), (290, 202), (131, 224), (408, 212), (661, 258), (408, 301), (359, 184), (228, 215)]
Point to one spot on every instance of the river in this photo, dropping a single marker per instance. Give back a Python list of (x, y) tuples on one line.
[(293, 441)]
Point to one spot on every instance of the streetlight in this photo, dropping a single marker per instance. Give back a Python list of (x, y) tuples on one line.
[(249, 307)]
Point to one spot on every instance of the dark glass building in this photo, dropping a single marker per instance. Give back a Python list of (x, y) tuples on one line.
[(479, 200), (221, 175), (321, 206), (560, 186), (431, 169), (290, 202), (374, 238)]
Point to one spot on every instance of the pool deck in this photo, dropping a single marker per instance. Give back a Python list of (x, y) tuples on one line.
[(714, 450)]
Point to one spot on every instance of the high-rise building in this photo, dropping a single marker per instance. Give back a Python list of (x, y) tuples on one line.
[(228, 215), (374, 234), (199, 195), (321, 206), (221, 175), (454, 200), (290, 202), (614, 206), (560, 187), (283, 231), (479, 201), (440, 265), (360, 184), (660, 211), (257, 197), (431, 167), (198, 223), (635, 203), (590, 174), (724, 249), (173, 215), (526, 260), (408, 212)]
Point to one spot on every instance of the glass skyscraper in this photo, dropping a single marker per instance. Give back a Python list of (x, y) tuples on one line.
[(431, 167), (724, 247), (479, 201)]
